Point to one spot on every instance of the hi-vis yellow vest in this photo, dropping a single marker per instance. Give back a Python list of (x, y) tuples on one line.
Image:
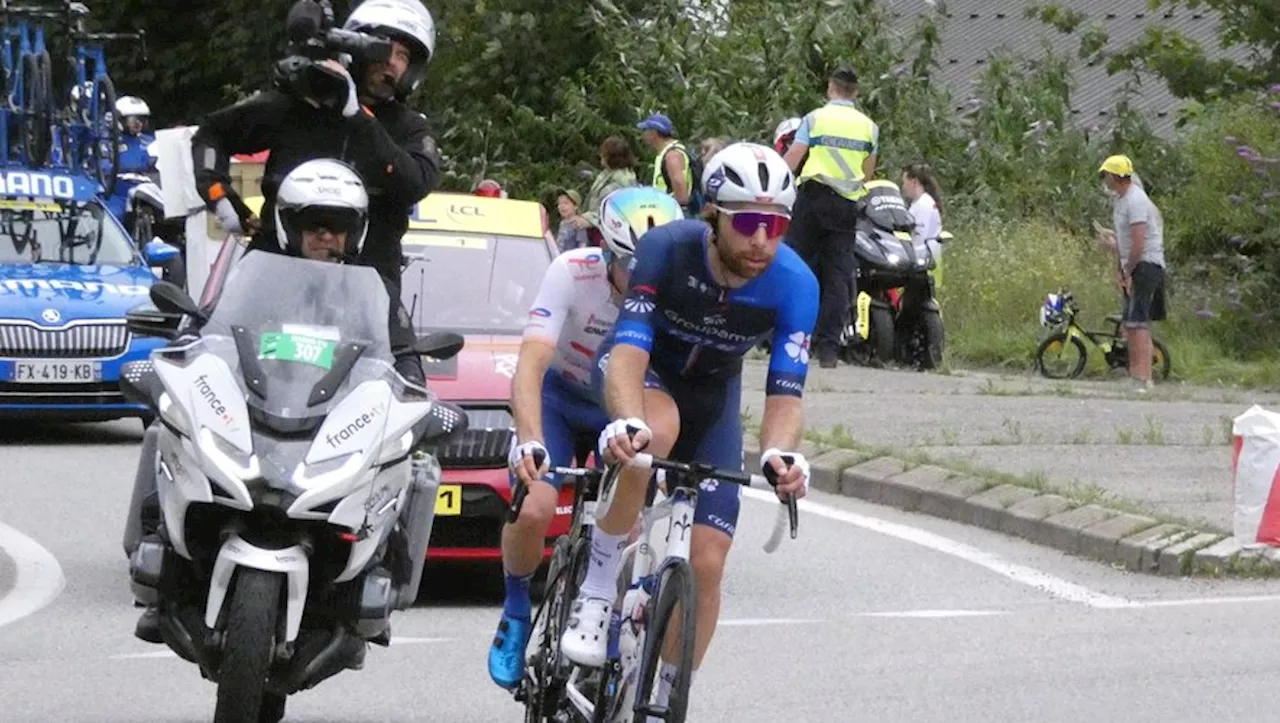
[(840, 139), (659, 182)]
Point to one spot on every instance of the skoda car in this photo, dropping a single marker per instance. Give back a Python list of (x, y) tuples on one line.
[(473, 266), (68, 274)]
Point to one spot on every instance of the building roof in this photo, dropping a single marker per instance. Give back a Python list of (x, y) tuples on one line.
[(972, 29)]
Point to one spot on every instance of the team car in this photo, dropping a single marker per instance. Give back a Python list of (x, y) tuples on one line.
[(473, 266), (69, 273)]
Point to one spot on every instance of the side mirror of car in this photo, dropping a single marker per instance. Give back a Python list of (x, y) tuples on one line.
[(146, 320), (159, 253), (170, 298), (439, 345)]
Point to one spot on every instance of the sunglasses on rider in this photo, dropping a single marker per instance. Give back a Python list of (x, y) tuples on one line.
[(748, 222)]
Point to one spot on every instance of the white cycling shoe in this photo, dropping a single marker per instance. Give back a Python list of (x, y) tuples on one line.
[(585, 640)]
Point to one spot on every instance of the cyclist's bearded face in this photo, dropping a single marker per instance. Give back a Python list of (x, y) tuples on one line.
[(381, 78), (322, 244), (748, 236)]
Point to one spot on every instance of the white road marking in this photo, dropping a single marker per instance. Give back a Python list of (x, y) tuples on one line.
[(753, 622), (39, 576), (1031, 577), (166, 653)]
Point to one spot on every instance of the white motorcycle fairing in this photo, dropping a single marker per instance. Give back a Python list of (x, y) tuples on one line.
[(292, 561)]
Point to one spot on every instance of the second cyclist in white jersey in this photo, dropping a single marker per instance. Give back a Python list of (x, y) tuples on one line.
[(555, 409)]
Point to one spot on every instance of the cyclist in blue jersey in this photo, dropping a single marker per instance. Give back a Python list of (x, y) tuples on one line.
[(552, 398), (700, 297)]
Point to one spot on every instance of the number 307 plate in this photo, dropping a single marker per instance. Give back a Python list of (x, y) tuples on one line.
[(56, 372)]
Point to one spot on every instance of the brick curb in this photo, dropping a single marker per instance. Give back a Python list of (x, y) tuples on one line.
[(1133, 542)]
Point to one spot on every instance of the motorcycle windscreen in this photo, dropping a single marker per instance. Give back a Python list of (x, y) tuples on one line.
[(299, 335)]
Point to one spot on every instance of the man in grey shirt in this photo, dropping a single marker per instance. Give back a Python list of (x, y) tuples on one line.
[(1139, 239)]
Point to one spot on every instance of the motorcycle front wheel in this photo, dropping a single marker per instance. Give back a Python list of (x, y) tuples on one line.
[(248, 651)]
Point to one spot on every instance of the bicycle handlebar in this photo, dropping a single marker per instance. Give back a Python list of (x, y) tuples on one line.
[(700, 471)]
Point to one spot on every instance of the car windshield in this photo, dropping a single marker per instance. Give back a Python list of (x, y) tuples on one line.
[(472, 283), (70, 232)]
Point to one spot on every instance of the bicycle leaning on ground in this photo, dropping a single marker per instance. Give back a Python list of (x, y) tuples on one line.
[(1054, 355), (655, 582)]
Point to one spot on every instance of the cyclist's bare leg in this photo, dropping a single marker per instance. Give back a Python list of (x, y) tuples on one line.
[(663, 418), (707, 554), (522, 541)]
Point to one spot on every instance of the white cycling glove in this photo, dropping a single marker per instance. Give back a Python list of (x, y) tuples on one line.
[(533, 449), (227, 216), (797, 460), (618, 428)]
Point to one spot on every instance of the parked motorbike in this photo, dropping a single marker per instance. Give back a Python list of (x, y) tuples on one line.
[(143, 215), (896, 316), (295, 513)]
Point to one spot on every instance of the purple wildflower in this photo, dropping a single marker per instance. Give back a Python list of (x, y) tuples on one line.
[(1231, 141), (1206, 313)]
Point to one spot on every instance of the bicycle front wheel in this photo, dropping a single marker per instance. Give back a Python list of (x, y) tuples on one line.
[(103, 139), (674, 614), (1061, 356), (37, 98), (544, 680)]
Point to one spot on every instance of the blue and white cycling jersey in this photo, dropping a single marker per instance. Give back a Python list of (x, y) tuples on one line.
[(697, 333), (695, 329)]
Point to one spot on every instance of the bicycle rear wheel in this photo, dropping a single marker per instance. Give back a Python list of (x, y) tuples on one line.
[(37, 84), (102, 161), (1160, 362), (675, 590)]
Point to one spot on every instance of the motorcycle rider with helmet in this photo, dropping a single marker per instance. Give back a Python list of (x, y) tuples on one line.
[(321, 213), (360, 119), (133, 113)]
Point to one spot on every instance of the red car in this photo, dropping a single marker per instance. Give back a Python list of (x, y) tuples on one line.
[(474, 265)]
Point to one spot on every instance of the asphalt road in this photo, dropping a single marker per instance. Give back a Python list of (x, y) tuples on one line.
[(871, 615)]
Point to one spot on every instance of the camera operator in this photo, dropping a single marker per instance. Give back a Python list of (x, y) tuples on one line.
[(323, 109)]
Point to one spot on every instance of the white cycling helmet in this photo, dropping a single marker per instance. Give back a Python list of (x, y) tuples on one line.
[(408, 21), (129, 105), (629, 213), (786, 127), (322, 193), (749, 173)]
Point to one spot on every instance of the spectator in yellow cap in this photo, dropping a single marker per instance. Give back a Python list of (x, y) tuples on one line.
[(1139, 244)]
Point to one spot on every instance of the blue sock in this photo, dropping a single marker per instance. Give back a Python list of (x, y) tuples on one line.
[(518, 604)]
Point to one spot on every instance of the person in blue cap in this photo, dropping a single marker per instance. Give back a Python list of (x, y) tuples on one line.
[(675, 170)]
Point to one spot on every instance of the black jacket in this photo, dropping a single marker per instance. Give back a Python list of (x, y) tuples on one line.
[(392, 150)]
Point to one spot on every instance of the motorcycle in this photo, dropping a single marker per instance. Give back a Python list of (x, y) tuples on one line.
[(295, 512), (896, 316), (143, 215)]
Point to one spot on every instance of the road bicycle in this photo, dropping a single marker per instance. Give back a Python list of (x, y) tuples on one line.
[(28, 82), (1054, 355), (655, 580), (88, 136)]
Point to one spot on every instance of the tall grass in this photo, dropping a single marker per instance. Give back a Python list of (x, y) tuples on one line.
[(996, 277)]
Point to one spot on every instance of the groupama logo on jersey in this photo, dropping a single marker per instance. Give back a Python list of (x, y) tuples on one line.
[(641, 301), (797, 347)]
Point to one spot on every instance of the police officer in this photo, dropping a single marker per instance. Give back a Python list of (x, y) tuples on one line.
[(367, 125), (841, 144)]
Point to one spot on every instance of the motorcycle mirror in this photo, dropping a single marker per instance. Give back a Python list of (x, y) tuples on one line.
[(439, 345), (170, 298)]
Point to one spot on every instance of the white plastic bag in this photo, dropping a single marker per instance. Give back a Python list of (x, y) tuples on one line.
[(1256, 467)]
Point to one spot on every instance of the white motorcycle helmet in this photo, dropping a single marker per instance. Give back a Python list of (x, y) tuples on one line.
[(129, 105), (629, 213), (408, 21), (749, 173), (322, 193)]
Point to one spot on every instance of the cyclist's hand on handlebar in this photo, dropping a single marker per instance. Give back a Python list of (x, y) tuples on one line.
[(529, 461), (623, 438), (791, 469)]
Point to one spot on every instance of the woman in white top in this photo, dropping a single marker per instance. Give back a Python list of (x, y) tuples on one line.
[(921, 187)]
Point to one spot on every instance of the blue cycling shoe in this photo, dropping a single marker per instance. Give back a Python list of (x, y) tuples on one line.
[(506, 656)]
